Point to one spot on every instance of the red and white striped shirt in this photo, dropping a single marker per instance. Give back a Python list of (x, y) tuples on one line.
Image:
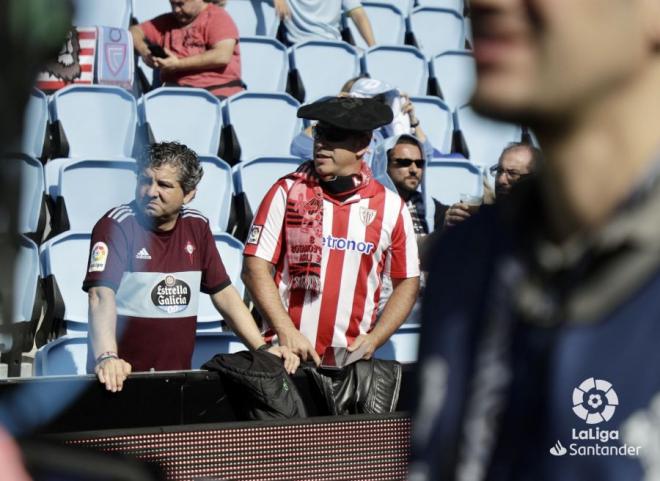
[(367, 234)]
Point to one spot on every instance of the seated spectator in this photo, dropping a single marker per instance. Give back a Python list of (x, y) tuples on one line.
[(321, 19), (405, 166), (149, 261), (517, 161), (199, 43)]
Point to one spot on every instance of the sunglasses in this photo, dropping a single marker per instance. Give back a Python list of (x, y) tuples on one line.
[(419, 163), (331, 134)]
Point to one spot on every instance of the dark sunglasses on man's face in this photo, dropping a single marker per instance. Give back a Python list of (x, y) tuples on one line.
[(419, 163), (331, 134)]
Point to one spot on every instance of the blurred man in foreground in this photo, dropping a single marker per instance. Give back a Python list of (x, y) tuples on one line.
[(540, 326)]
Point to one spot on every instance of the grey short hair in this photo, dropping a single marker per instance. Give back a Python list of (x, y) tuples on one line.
[(177, 155)]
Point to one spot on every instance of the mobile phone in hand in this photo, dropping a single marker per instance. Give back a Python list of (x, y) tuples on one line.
[(157, 51), (340, 357)]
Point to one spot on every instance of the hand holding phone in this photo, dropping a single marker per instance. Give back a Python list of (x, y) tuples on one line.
[(157, 51)]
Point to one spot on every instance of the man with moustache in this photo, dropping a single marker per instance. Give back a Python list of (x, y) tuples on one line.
[(540, 322)]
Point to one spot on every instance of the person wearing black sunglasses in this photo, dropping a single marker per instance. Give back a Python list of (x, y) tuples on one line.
[(405, 166), (332, 232)]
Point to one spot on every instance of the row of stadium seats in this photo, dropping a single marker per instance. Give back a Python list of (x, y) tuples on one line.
[(434, 25), (302, 70), (253, 124)]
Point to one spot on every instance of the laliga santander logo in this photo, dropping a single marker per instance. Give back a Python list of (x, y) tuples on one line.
[(594, 401)]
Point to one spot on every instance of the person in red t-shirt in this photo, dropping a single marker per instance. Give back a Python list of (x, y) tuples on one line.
[(200, 41), (149, 261)]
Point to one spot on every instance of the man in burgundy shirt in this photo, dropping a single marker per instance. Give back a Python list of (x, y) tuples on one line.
[(149, 260), (200, 41)]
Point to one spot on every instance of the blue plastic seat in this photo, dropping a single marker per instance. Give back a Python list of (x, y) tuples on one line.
[(387, 22), (214, 192), (188, 115), (99, 121), (435, 119), (437, 29), (456, 73), (314, 60), (457, 5), (253, 17), (35, 124), (89, 13), (485, 138), (404, 67), (231, 253), (27, 272), (31, 202), (90, 188), (265, 123), (446, 178), (64, 356), (255, 177), (264, 64), (144, 10)]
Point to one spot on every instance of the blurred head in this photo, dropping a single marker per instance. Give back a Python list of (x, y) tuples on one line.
[(167, 179), (516, 162), (549, 59), (185, 11), (405, 165)]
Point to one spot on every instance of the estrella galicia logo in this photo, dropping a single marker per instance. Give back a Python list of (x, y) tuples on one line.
[(595, 401), (171, 295)]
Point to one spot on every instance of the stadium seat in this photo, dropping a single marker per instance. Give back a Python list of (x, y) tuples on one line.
[(253, 17), (403, 67), (97, 121), (437, 30), (315, 58), (64, 265), (446, 178), (404, 6), (87, 189), (89, 13), (436, 120), (214, 192), (402, 345), (264, 123), (144, 10), (264, 64), (387, 22), (188, 115), (486, 138), (65, 356), (35, 124), (31, 215), (456, 74), (457, 5), (252, 180), (231, 253)]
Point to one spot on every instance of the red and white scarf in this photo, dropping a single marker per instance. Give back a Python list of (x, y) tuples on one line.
[(303, 225)]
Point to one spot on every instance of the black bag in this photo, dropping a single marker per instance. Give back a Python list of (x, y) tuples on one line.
[(365, 387), (257, 385)]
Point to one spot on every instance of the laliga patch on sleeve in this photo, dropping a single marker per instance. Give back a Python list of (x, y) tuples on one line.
[(98, 257), (255, 234)]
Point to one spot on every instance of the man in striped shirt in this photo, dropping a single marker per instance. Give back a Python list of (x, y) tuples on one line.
[(331, 231)]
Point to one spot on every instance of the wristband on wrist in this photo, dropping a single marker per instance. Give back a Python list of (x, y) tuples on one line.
[(264, 347), (415, 124), (105, 356)]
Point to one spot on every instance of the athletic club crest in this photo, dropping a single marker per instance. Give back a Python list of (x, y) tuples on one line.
[(367, 216)]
